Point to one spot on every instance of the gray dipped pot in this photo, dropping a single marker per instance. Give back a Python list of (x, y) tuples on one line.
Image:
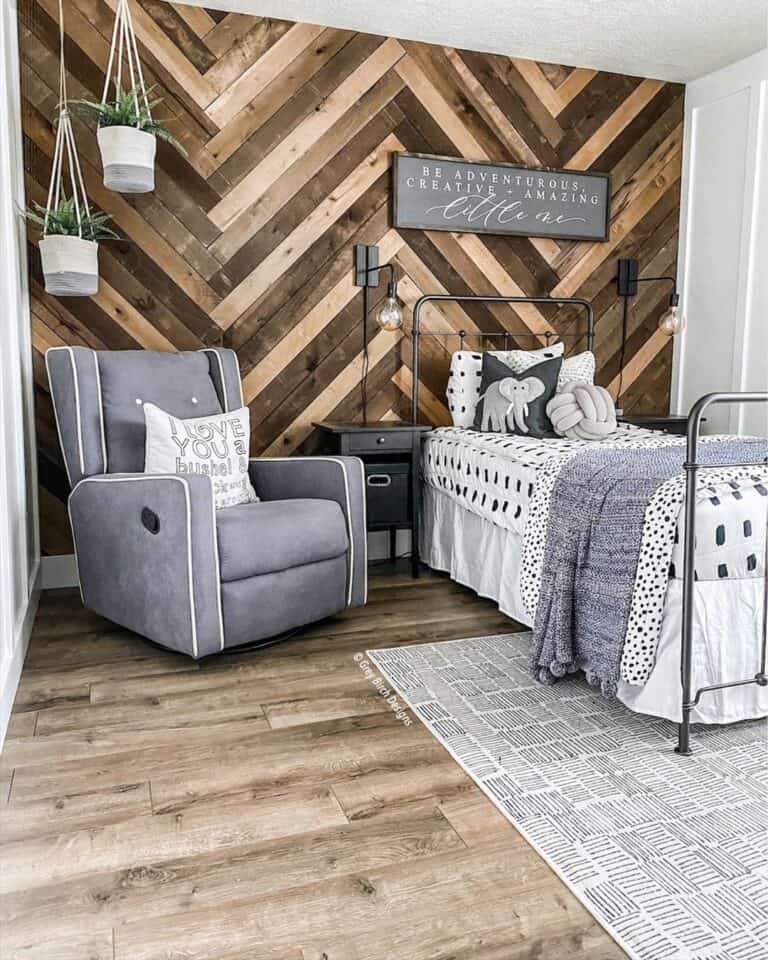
[(70, 266), (128, 159)]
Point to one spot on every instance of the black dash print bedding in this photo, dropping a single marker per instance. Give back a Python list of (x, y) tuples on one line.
[(508, 481)]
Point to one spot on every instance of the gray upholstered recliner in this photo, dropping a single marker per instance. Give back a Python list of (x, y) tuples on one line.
[(152, 552)]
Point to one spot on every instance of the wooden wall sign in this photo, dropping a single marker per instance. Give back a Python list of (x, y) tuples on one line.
[(467, 196)]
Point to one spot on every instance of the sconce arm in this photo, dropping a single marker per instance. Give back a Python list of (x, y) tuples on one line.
[(392, 284)]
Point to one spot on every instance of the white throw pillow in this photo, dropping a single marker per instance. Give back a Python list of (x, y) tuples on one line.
[(216, 447), (577, 369), (535, 356), (466, 368)]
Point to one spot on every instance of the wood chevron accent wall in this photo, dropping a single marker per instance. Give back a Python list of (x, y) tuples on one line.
[(289, 130)]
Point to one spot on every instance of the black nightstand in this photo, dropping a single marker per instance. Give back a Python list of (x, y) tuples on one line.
[(391, 455), (671, 423)]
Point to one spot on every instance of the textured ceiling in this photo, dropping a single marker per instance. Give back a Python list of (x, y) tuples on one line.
[(665, 39)]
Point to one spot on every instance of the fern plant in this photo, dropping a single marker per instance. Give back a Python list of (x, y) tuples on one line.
[(123, 112), (62, 221)]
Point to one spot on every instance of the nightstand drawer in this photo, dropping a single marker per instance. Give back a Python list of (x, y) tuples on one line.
[(376, 442), (391, 455), (387, 493)]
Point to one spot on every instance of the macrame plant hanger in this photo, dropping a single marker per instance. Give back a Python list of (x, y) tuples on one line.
[(127, 152), (124, 44), (70, 263)]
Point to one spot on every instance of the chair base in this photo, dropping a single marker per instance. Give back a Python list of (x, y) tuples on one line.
[(260, 611), (259, 608), (296, 632), (284, 637)]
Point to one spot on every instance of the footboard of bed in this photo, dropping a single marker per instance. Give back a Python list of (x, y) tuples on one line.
[(692, 466)]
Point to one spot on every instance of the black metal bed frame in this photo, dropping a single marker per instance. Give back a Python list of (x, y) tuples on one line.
[(691, 467), (504, 334), (690, 698)]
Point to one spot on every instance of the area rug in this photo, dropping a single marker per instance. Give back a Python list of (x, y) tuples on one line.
[(669, 853)]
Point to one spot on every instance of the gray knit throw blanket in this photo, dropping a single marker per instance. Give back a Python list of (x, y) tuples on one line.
[(594, 534)]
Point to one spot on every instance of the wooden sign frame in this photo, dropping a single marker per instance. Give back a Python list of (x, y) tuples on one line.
[(401, 219)]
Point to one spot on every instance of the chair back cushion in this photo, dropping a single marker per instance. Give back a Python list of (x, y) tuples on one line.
[(98, 398), (179, 383)]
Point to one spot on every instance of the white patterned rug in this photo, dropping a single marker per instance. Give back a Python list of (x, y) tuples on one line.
[(669, 853)]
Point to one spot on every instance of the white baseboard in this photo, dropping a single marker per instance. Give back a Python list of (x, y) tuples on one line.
[(57, 572), (12, 673)]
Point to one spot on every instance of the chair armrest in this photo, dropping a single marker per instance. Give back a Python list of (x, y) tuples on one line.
[(323, 478), (148, 558)]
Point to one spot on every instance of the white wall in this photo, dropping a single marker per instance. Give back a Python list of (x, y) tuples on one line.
[(723, 258), (19, 542)]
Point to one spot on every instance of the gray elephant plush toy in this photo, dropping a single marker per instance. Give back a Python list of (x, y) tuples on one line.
[(506, 396)]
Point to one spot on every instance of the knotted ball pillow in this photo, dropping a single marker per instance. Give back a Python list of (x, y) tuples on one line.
[(582, 411)]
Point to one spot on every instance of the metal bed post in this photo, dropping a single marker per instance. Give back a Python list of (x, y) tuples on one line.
[(690, 699)]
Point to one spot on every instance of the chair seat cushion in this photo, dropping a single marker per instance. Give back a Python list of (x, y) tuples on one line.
[(259, 538)]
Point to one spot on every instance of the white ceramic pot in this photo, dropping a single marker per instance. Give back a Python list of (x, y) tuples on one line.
[(70, 266), (128, 158)]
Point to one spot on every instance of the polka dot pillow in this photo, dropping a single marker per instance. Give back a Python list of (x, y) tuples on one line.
[(463, 387)]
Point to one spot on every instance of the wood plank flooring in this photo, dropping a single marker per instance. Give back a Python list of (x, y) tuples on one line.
[(265, 805)]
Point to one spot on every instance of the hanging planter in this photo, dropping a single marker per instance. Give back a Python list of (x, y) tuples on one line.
[(70, 266), (70, 232), (69, 246), (128, 158), (127, 131)]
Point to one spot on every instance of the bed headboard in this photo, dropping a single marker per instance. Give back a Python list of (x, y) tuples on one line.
[(504, 335)]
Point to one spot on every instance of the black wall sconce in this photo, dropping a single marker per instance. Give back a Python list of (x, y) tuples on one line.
[(389, 316), (671, 321)]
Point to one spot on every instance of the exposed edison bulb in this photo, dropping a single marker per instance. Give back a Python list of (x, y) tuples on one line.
[(672, 321), (390, 314)]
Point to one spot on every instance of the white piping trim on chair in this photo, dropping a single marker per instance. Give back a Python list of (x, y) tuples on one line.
[(190, 572), (77, 408), (74, 544), (218, 569), (365, 527), (185, 486), (56, 415), (347, 515), (101, 412), (239, 379), (221, 374), (78, 417)]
